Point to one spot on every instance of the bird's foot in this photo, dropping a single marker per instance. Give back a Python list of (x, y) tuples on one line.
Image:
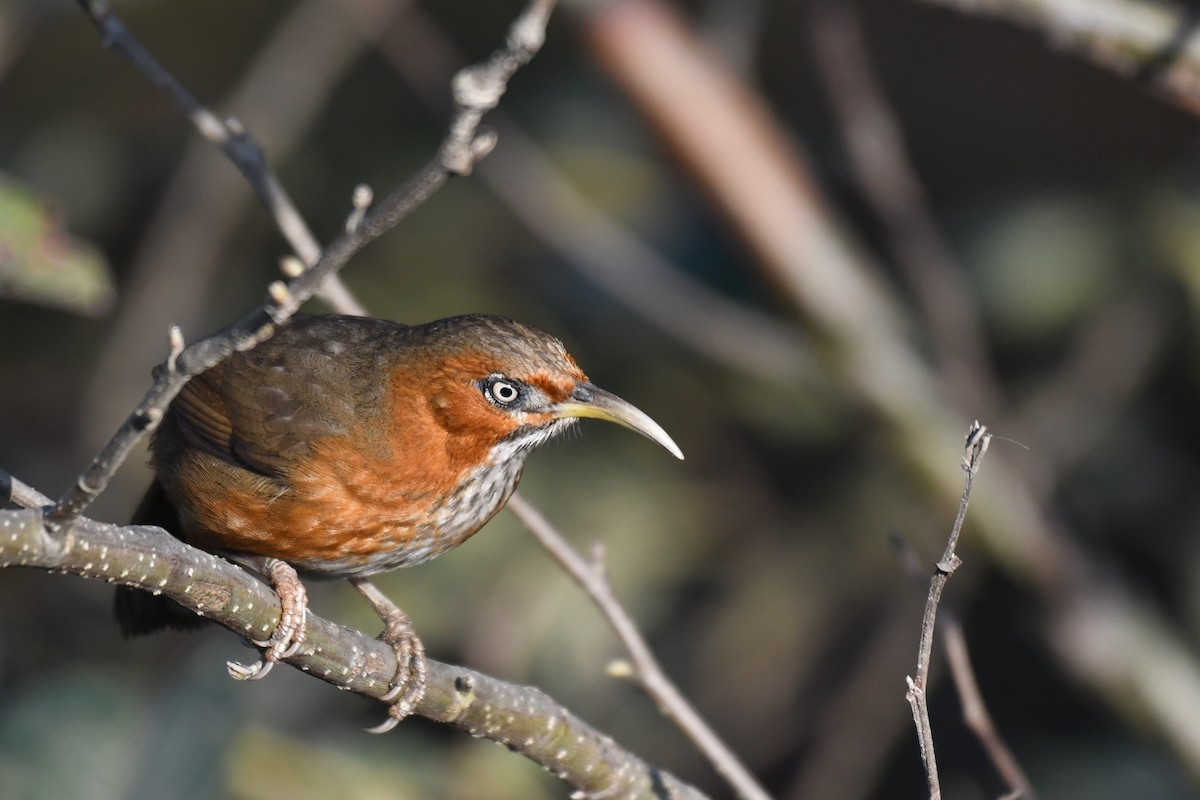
[(408, 685), (289, 632)]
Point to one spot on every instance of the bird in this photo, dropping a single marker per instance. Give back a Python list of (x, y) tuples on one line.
[(345, 447)]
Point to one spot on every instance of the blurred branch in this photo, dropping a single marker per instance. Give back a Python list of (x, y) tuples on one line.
[(976, 714), (727, 139), (878, 155), (1147, 40), (521, 718), (646, 671), (847, 759), (977, 445), (769, 199), (476, 90), (596, 245), (1083, 396)]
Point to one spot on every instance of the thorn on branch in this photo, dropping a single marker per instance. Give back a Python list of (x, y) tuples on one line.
[(477, 88), (599, 561)]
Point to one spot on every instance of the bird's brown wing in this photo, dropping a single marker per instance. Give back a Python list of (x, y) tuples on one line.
[(203, 415), (263, 409)]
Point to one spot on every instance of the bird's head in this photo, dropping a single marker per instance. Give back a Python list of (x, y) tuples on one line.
[(513, 386)]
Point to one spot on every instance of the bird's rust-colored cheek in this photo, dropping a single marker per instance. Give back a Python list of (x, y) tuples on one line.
[(459, 408)]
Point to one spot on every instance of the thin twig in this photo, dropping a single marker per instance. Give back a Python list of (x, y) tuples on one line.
[(20, 494), (476, 90), (646, 671), (975, 710), (522, 718), (977, 444)]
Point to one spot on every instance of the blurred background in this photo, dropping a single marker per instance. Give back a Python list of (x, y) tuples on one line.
[(814, 240)]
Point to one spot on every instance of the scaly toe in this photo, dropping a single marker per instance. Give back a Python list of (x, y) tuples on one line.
[(408, 684), (285, 641), (406, 695), (249, 672)]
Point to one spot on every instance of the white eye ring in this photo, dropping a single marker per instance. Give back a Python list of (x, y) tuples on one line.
[(503, 392)]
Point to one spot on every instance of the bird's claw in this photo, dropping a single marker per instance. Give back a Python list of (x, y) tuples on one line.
[(289, 633), (408, 684)]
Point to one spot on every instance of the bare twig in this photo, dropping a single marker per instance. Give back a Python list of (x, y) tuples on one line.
[(977, 444), (20, 494), (1110, 359), (519, 717), (878, 155), (1152, 40), (975, 711), (477, 89), (646, 671)]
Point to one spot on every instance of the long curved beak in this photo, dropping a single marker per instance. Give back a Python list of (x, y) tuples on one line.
[(589, 400)]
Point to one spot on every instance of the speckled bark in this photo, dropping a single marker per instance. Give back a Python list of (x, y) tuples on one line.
[(522, 718)]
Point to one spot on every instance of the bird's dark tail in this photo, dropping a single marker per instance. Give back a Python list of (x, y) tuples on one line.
[(138, 612)]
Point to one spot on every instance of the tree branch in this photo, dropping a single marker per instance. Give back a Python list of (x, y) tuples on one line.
[(522, 718), (645, 669)]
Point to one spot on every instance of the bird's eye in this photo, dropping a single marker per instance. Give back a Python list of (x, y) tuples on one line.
[(501, 391)]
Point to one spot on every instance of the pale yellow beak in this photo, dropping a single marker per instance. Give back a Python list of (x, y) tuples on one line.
[(589, 400)]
